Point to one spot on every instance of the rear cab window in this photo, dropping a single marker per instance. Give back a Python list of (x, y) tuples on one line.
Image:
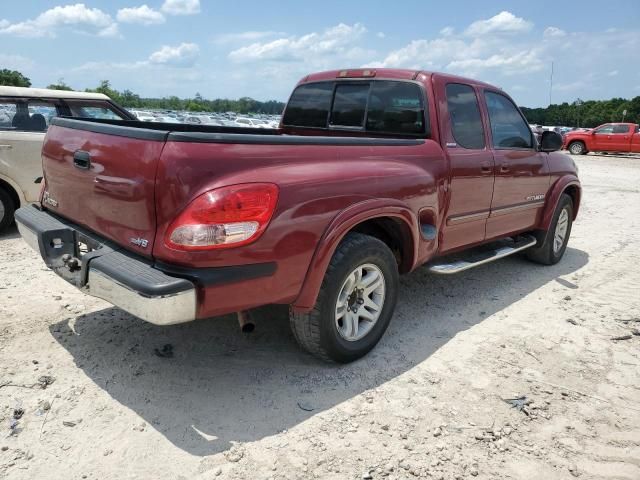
[(373, 106)]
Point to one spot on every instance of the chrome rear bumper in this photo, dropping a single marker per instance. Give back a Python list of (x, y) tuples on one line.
[(107, 272)]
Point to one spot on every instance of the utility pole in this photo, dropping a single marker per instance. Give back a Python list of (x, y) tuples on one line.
[(551, 84)]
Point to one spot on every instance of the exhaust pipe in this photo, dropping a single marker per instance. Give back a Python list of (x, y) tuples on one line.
[(245, 321)]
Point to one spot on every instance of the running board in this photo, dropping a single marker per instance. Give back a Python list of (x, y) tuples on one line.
[(474, 258)]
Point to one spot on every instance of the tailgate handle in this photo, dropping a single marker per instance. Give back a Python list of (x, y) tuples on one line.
[(82, 159)]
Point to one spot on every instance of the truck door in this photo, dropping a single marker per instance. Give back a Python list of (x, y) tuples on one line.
[(522, 174), (471, 164), (612, 138)]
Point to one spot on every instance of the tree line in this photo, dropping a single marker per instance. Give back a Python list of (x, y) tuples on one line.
[(590, 113), (128, 99)]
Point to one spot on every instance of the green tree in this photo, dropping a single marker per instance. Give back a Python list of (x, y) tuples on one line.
[(13, 78), (61, 85)]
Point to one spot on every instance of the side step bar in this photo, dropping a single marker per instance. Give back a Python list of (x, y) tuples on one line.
[(475, 257)]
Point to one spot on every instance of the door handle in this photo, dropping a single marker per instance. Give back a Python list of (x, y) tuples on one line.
[(485, 169), (504, 168), (82, 159)]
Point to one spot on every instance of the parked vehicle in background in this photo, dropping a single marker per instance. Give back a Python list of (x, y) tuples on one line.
[(251, 123), (25, 115), (373, 173), (610, 137)]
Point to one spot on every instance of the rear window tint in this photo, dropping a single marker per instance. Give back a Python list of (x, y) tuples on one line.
[(464, 112), (620, 129), (309, 105), (395, 107), (379, 106), (349, 105)]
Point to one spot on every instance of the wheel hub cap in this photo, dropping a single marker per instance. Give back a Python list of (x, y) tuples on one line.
[(561, 230), (360, 302)]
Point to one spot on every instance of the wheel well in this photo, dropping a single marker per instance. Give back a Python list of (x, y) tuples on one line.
[(395, 234), (574, 193), (12, 193)]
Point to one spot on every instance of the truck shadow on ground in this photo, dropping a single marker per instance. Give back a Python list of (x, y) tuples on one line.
[(222, 386), (10, 233)]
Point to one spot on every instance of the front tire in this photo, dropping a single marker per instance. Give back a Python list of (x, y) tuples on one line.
[(577, 148), (7, 209), (556, 239), (355, 303)]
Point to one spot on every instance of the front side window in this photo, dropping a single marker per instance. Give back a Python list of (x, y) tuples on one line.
[(508, 128), (605, 129), (464, 112), (309, 106)]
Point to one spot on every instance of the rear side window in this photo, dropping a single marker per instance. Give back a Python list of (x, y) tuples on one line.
[(88, 109), (464, 112), (508, 128), (350, 105), (379, 106), (620, 129), (26, 115), (396, 107), (309, 106)]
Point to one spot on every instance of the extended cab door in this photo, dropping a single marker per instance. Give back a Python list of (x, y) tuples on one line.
[(635, 139), (471, 164), (522, 174)]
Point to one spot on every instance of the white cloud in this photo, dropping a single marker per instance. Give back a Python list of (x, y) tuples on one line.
[(77, 17), (334, 40), (525, 61), (181, 7), (183, 55), (553, 32), (446, 31), (143, 15), (380, 35), (504, 22), (250, 36), (16, 62), (613, 73)]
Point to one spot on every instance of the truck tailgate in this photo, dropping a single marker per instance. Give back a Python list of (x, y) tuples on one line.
[(104, 182)]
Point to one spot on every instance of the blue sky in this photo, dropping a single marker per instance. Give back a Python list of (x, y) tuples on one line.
[(261, 48)]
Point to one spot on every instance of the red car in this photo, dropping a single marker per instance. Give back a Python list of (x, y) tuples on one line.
[(610, 137), (372, 174)]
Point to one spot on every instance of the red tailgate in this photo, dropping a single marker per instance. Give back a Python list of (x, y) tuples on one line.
[(104, 182)]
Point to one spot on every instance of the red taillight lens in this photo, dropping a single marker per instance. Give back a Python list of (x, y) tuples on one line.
[(224, 217)]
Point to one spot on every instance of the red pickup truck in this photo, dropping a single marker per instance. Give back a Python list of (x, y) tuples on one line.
[(371, 174), (611, 137)]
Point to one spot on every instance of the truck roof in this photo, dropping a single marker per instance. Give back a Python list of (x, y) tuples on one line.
[(396, 73), (47, 93)]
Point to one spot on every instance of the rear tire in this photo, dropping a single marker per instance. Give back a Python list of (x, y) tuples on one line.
[(556, 239), (577, 148), (353, 310), (6, 210)]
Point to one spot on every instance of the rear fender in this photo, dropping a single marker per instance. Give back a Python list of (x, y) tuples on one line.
[(342, 224)]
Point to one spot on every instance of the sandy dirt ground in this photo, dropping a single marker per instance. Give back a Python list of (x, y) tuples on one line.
[(96, 402)]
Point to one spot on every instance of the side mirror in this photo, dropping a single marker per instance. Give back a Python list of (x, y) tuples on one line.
[(550, 141)]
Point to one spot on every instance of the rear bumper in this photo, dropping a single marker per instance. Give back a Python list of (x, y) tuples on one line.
[(108, 272)]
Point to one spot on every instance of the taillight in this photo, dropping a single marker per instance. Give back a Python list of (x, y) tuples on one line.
[(224, 217)]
